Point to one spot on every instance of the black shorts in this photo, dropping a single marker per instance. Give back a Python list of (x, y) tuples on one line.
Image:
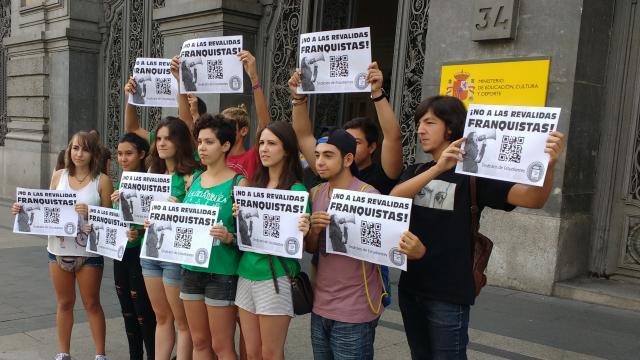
[(214, 289)]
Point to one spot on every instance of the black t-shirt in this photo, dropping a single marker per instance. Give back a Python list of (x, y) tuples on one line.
[(441, 218), (374, 175)]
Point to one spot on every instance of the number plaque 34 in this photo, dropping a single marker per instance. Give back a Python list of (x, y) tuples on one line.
[(494, 19)]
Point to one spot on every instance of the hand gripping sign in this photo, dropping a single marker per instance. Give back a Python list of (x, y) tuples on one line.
[(47, 212), (368, 227), (211, 65), (268, 220), (335, 61), (507, 142), (108, 235)]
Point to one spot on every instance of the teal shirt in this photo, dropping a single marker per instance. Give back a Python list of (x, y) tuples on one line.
[(224, 258), (254, 266)]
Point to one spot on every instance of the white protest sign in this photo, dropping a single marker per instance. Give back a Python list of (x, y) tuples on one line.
[(155, 86), (211, 65), (335, 61), (368, 226), (47, 212), (108, 234), (138, 190), (268, 220), (507, 142), (179, 233)]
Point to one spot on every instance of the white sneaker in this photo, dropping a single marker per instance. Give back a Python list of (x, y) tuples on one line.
[(63, 356), (100, 357)]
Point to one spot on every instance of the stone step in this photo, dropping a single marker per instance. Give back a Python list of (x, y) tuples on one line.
[(619, 292)]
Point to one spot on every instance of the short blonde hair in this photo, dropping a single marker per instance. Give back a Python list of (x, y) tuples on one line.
[(239, 114)]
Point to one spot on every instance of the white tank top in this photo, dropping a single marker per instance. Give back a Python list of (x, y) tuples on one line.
[(75, 246)]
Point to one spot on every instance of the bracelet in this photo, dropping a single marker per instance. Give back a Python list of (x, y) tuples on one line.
[(303, 97), (296, 102), (378, 98), (256, 86)]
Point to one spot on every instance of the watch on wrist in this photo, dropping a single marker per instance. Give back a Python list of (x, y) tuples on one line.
[(382, 96)]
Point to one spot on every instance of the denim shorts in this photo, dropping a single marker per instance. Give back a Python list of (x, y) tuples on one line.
[(214, 289), (332, 339), (170, 272), (93, 261)]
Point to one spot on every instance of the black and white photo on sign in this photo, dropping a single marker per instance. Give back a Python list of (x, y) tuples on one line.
[(179, 233), (46, 212), (437, 194), (335, 61), (155, 85), (211, 65), (368, 226), (137, 191), (108, 232), (507, 142), (268, 220)]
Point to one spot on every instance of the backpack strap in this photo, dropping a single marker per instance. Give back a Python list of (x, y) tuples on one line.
[(364, 187), (314, 191), (474, 205)]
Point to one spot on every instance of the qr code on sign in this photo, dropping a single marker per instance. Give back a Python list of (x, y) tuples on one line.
[(370, 233), (183, 238), (145, 202), (511, 148), (271, 225), (163, 86), (338, 65), (214, 69), (51, 215), (110, 237)]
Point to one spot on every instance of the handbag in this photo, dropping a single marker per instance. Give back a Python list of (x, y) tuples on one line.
[(482, 245), (301, 290)]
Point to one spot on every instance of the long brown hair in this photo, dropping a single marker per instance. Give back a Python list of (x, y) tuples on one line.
[(180, 136), (292, 170), (89, 142)]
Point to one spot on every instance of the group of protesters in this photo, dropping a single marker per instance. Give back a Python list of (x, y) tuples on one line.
[(193, 312)]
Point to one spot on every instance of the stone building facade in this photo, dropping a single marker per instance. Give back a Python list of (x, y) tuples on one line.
[(64, 64)]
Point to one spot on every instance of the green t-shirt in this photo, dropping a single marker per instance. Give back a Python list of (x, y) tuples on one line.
[(224, 258), (152, 136), (138, 241), (254, 266)]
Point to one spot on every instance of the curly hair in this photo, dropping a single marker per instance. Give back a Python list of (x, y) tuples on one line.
[(239, 114), (224, 129)]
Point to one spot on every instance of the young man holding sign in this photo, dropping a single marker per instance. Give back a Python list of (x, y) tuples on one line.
[(440, 283), (344, 318)]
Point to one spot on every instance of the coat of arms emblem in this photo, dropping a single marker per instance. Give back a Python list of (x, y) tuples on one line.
[(462, 88)]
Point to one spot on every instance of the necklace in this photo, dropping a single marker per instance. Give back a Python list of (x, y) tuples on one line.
[(81, 180)]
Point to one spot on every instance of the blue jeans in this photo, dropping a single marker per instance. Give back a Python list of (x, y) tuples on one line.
[(435, 330), (336, 340)]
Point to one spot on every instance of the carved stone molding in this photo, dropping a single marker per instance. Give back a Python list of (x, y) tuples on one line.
[(5, 31)]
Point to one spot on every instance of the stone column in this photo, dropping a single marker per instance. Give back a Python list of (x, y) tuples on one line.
[(51, 86)]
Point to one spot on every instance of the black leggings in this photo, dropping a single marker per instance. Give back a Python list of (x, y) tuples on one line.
[(139, 319)]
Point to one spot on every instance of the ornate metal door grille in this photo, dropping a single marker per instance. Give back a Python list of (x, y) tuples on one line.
[(5, 31)]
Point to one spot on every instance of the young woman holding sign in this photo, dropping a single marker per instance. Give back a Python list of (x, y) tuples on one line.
[(171, 153), (209, 293), (68, 260), (265, 314), (139, 319)]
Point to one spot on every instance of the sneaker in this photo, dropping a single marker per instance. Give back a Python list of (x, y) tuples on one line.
[(63, 356), (101, 357)]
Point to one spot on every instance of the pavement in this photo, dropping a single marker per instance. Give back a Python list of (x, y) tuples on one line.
[(505, 324)]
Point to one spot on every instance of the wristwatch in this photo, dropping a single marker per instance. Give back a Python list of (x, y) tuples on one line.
[(382, 96)]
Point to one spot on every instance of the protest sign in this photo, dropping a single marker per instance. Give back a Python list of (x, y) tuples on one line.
[(507, 142), (368, 227), (155, 86), (46, 212), (108, 234), (335, 61), (179, 233), (211, 65), (138, 190), (268, 220)]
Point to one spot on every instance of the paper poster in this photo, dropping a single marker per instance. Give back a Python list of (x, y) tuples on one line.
[(268, 220), (211, 65), (138, 190), (155, 86), (335, 61), (368, 227), (179, 233), (108, 236), (46, 212), (507, 142)]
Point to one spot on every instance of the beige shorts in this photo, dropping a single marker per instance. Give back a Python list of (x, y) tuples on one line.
[(260, 297)]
